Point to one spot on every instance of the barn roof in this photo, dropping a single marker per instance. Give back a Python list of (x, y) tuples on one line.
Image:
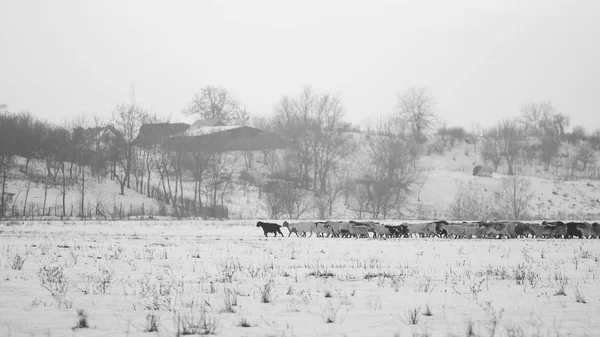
[(207, 122), (227, 138), (151, 134)]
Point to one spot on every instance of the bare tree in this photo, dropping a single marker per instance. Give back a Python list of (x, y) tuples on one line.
[(217, 103), (595, 139), (476, 131), (490, 151), (127, 120), (391, 175), (513, 198), (416, 106), (537, 118), (585, 154), (283, 198), (508, 136), (7, 150), (548, 150), (577, 135), (313, 123), (470, 203), (356, 197)]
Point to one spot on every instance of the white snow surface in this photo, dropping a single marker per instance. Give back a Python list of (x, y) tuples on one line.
[(206, 130), (320, 286)]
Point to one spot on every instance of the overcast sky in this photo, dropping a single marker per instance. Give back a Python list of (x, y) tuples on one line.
[(482, 60)]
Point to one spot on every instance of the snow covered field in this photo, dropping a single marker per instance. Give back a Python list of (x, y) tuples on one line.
[(226, 278)]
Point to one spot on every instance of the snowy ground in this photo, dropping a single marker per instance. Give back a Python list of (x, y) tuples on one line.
[(204, 275)]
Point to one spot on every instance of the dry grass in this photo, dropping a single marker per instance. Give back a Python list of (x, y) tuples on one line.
[(338, 285)]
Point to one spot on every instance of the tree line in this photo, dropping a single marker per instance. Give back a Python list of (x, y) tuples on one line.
[(317, 171)]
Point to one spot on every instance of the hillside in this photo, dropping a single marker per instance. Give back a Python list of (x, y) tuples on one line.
[(101, 197), (443, 176)]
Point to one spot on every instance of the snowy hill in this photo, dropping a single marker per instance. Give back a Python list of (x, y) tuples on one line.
[(443, 177)]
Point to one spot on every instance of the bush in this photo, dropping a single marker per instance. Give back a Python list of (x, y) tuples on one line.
[(81, 322), (470, 203), (17, 262), (514, 197), (265, 292), (56, 282), (411, 316)]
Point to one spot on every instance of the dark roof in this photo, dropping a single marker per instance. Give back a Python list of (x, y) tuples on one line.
[(151, 134), (227, 138), (207, 122)]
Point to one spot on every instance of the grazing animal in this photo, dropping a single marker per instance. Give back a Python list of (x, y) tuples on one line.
[(439, 228), (494, 228), (300, 228), (471, 231), (425, 229), (340, 228), (381, 231), (544, 230), (359, 231), (269, 228), (574, 229), (364, 223), (454, 230), (519, 229), (397, 231), (595, 230), (322, 228)]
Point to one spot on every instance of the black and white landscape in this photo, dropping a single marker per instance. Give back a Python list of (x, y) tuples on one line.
[(270, 168)]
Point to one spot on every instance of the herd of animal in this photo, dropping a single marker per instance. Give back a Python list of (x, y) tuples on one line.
[(478, 229)]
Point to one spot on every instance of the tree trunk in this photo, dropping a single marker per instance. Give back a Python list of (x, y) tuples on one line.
[(26, 195), (82, 191), (64, 190), (3, 185)]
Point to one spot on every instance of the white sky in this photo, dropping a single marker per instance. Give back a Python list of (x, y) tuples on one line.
[(481, 59)]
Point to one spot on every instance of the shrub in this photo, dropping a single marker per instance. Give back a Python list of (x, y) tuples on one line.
[(151, 322), (424, 284), (230, 300), (579, 297), (244, 323), (265, 292), (17, 262), (331, 311), (82, 322), (189, 324), (56, 282), (427, 311), (411, 316)]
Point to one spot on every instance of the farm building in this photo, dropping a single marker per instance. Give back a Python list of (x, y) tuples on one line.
[(209, 136)]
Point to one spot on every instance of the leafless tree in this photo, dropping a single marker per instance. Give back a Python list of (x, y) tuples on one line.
[(595, 140), (476, 131), (7, 151), (127, 120), (391, 175), (470, 203), (548, 150), (490, 151), (508, 136), (585, 154), (514, 197), (356, 197), (217, 103), (313, 123), (577, 135), (416, 106)]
